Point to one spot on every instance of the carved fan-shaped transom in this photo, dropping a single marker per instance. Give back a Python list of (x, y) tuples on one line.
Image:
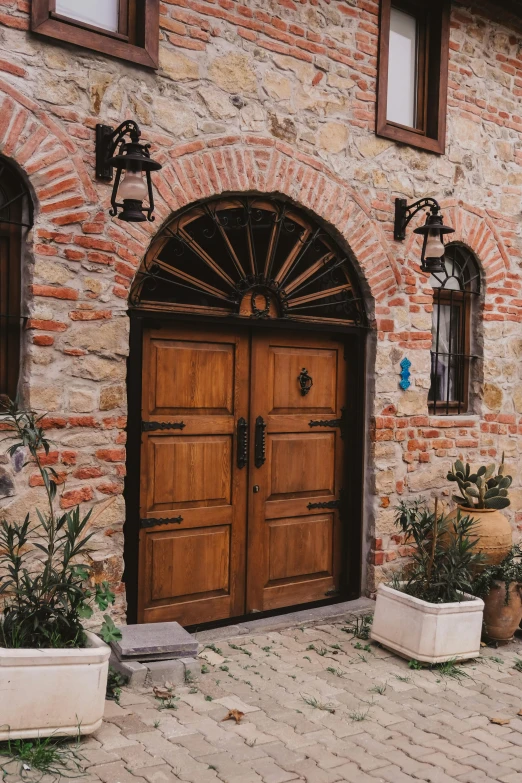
[(254, 257)]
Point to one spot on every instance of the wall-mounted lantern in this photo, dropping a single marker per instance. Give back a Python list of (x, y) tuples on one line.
[(432, 257), (131, 158)]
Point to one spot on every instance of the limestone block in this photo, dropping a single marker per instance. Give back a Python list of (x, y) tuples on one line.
[(98, 88), (175, 118), (177, 66), (217, 103), (333, 136), (277, 86), (305, 72), (430, 477), (282, 127), (252, 117), (233, 73), (53, 88), (82, 400), (341, 82), (492, 396), (517, 398), (96, 368), (112, 397), (370, 146), (411, 402), (51, 273), (46, 397), (109, 336)]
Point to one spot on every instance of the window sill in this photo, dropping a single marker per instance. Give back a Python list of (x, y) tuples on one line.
[(458, 418), (410, 137), (98, 42)]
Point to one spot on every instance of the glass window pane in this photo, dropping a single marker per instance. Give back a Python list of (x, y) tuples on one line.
[(99, 13), (402, 69), (445, 359)]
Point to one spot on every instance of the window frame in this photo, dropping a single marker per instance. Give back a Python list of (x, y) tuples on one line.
[(135, 16), (16, 217), (432, 86), (464, 299)]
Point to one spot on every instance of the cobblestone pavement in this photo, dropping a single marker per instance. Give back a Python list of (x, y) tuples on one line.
[(319, 706)]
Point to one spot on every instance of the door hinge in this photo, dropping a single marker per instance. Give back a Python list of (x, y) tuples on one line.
[(150, 522), (147, 426), (341, 422), (325, 504)]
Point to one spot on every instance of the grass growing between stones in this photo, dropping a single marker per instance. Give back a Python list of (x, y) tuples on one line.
[(52, 756), (318, 705)]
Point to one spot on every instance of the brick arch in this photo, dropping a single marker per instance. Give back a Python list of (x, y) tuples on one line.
[(35, 142), (199, 170), (473, 228)]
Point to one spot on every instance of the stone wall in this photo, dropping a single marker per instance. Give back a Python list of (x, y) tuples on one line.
[(269, 96)]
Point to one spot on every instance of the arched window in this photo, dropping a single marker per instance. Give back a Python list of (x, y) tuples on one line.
[(455, 297), (251, 256), (15, 218)]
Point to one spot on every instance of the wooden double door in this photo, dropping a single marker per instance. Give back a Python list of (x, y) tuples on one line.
[(241, 472)]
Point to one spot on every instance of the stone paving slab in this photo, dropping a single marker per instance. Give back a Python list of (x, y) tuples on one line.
[(320, 706)]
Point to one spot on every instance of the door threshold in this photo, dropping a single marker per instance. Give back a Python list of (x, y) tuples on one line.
[(283, 619)]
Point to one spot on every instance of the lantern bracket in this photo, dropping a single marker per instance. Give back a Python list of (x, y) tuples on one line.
[(107, 140), (404, 213)]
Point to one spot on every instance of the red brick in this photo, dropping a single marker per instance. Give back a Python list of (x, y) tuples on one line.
[(110, 488), (74, 497), (47, 326), (90, 315), (43, 339), (87, 473), (68, 457), (56, 292), (111, 455)]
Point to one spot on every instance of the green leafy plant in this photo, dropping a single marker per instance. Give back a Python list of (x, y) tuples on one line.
[(483, 488), (359, 626), (115, 682), (508, 571), (443, 558), (43, 579), (53, 757)]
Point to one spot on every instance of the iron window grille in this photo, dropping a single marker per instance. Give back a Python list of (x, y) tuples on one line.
[(455, 292), (250, 256), (16, 214)]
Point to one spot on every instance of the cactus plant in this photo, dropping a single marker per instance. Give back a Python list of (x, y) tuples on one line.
[(482, 489)]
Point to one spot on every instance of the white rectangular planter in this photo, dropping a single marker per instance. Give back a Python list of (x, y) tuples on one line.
[(427, 632), (53, 691)]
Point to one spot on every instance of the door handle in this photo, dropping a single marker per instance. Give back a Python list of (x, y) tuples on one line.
[(242, 442), (260, 442)]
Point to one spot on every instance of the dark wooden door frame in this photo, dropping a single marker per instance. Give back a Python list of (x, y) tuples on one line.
[(355, 339)]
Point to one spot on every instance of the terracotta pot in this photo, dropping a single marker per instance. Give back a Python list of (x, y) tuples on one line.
[(493, 531), (501, 620)]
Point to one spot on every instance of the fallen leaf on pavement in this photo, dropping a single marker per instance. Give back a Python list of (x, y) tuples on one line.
[(499, 721), (233, 715), (162, 693)]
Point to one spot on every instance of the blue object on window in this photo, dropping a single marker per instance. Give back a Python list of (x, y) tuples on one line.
[(405, 382)]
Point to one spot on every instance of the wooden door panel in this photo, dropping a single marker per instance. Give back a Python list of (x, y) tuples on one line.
[(300, 547), (189, 470), (285, 365), (301, 464), (197, 560), (193, 495), (195, 363), (294, 545)]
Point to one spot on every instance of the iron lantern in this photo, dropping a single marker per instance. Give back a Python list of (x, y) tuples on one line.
[(433, 231), (132, 160)]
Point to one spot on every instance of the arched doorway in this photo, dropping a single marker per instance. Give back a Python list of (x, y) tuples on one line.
[(246, 364)]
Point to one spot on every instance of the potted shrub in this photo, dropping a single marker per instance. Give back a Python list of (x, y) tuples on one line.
[(428, 612), (53, 673), (485, 493), (499, 586)]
